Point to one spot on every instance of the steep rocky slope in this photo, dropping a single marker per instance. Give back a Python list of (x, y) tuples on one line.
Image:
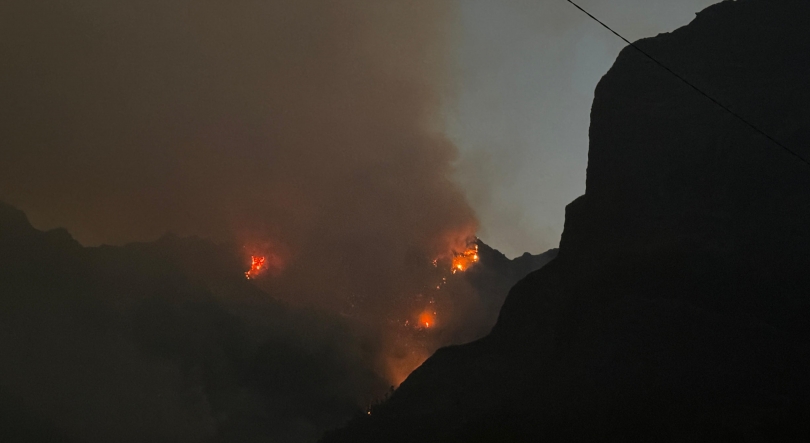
[(677, 308)]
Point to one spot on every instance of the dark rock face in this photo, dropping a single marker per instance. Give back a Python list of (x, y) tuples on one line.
[(491, 279), (677, 308)]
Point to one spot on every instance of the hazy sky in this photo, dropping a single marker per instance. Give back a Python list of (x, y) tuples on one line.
[(528, 69), (129, 119)]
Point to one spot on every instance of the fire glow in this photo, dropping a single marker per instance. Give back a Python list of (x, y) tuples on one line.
[(463, 261), (427, 319), (256, 267)]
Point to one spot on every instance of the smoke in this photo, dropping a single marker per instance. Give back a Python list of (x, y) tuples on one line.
[(308, 132)]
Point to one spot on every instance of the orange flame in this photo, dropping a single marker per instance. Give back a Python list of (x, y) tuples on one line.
[(427, 319), (463, 261), (256, 267)]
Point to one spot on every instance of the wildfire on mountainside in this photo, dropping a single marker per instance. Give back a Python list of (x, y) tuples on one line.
[(427, 319), (463, 260), (418, 320), (257, 265), (266, 258)]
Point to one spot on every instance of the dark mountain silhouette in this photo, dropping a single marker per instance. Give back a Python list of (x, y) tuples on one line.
[(163, 341), (677, 308), (493, 277), (167, 341)]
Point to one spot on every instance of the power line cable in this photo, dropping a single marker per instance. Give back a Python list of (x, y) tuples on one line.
[(690, 84)]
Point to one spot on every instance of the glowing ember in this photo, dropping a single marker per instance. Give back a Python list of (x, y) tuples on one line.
[(463, 261), (256, 267), (427, 319)]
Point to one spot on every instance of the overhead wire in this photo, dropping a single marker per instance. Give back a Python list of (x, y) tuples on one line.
[(693, 86)]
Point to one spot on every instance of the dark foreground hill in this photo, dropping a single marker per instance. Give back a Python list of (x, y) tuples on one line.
[(168, 342), (678, 307), (162, 342)]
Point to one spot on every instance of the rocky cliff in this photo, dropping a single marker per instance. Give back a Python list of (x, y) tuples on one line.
[(677, 307)]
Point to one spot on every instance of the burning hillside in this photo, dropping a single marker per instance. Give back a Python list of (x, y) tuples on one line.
[(310, 134), (412, 320), (315, 129), (451, 299), (174, 326), (256, 266), (462, 261)]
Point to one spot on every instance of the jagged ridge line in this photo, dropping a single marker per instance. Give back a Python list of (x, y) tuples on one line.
[(690, 84)]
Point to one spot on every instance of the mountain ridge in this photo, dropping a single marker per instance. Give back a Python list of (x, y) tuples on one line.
[(167, 341)]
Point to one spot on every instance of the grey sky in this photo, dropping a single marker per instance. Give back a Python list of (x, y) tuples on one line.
[(528, 70)]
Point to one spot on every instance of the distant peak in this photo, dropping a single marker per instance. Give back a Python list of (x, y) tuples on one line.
[(13, 222)]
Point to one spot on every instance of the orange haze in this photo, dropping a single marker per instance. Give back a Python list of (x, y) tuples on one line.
[(312, 126)]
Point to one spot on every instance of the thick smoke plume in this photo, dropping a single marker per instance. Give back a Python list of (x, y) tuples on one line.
[(307, 131)]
